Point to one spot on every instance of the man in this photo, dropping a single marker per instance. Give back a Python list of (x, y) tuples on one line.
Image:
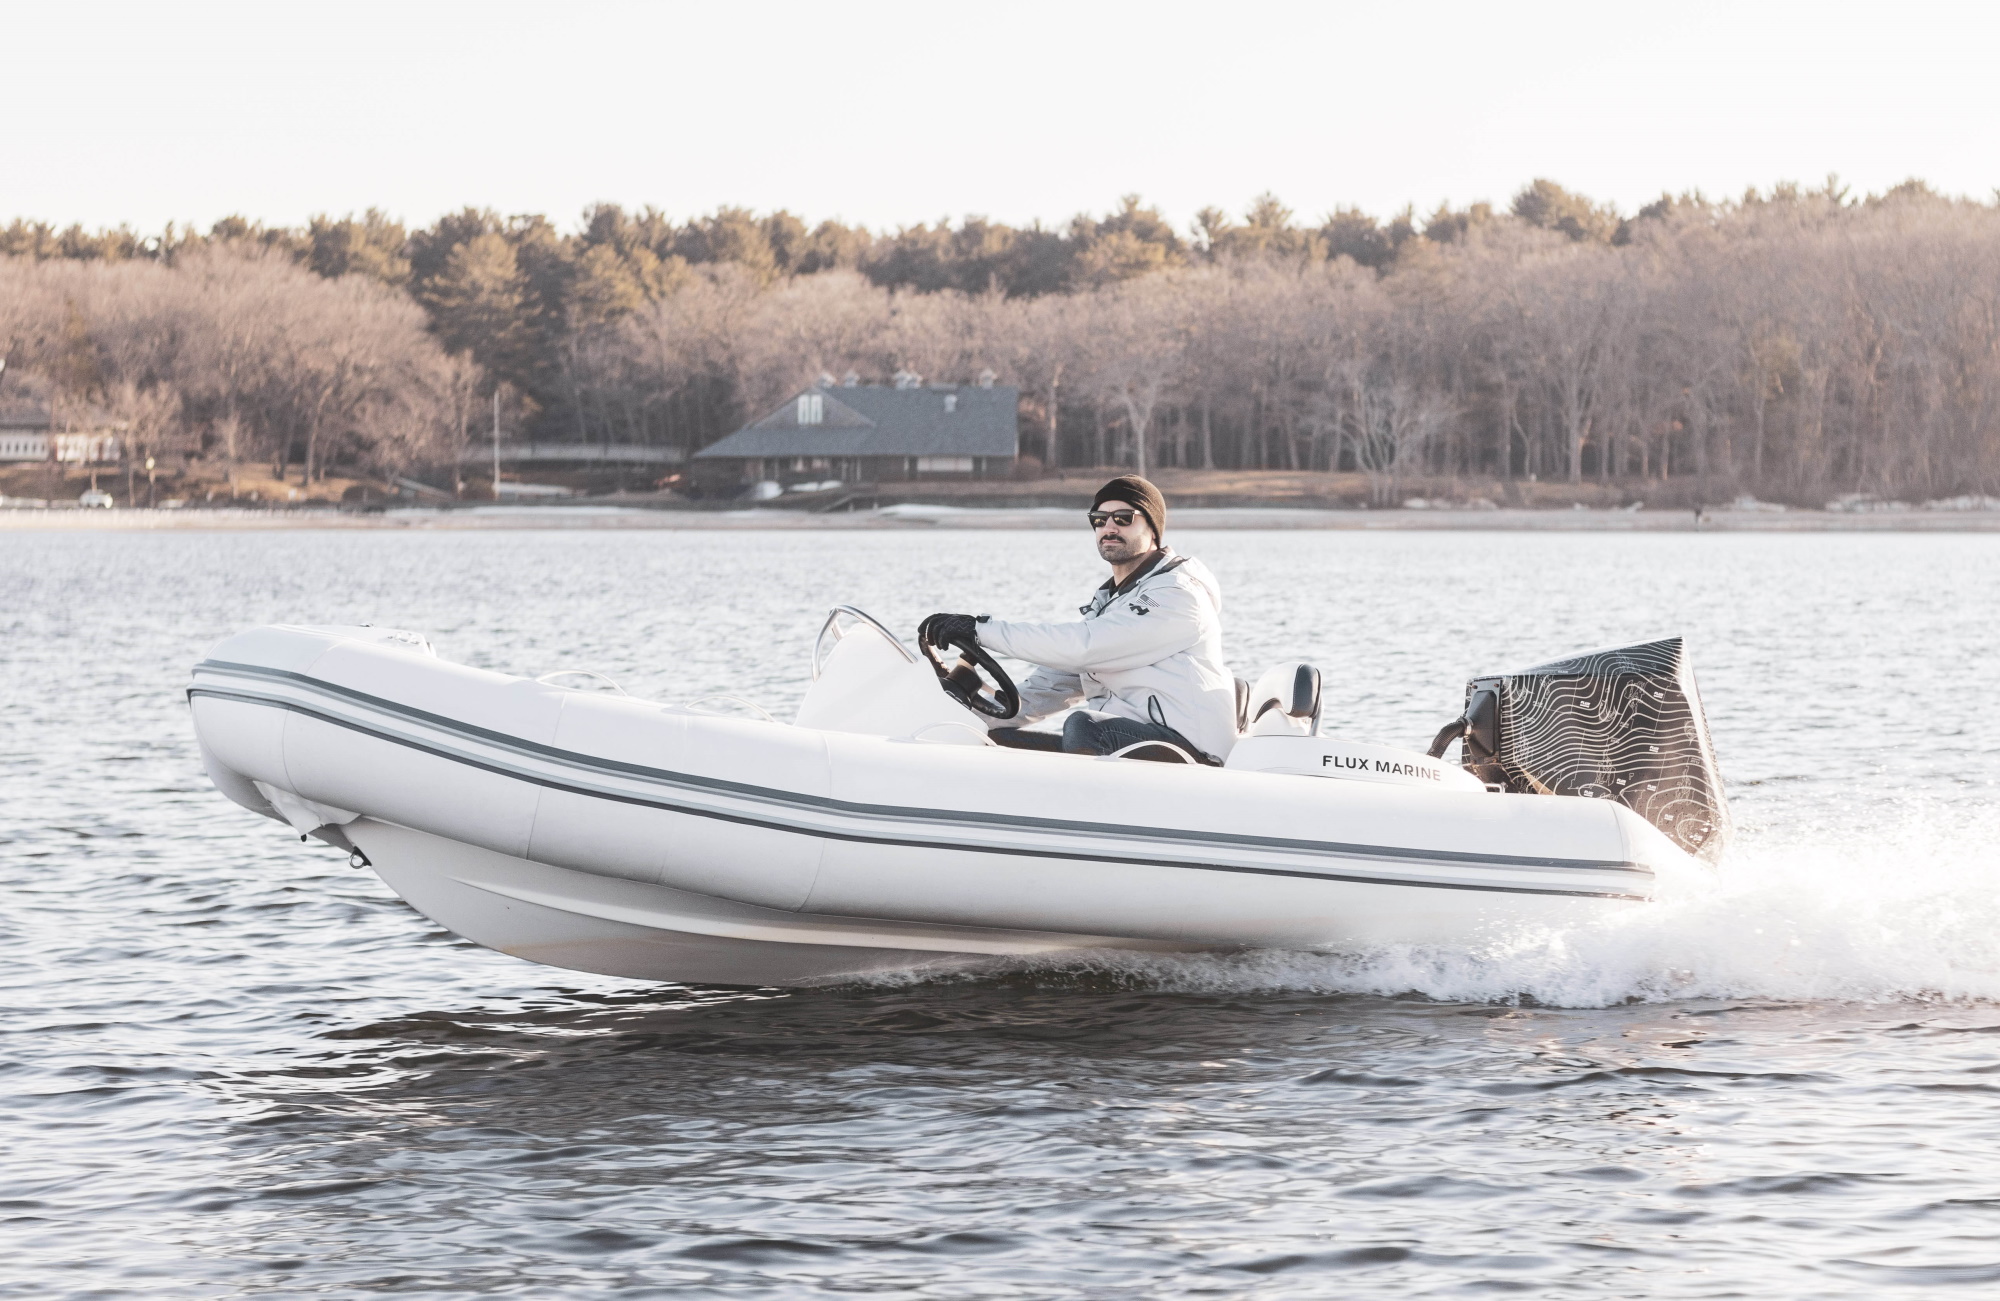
[(1145, 661)]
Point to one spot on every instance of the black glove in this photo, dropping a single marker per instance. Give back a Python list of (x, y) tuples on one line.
[(942, 630)]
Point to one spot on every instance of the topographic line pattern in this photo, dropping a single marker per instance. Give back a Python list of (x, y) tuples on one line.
[(1623, 724)]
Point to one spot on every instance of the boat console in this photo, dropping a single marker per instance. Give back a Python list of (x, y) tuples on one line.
[(866, 681)]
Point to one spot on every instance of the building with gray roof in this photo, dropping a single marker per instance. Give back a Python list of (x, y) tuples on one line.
[(856, 433), (28, 432)]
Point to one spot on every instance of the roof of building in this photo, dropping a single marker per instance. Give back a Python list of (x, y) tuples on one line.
[(874, 420), (24, 416)]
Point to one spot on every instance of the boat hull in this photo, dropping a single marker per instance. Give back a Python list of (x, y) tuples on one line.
[(607, 834), (583, 922)]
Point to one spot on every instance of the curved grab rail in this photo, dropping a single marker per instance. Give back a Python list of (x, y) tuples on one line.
[(1122, 751), (832, 625), (693, 706), (978, 732), (605, 678)]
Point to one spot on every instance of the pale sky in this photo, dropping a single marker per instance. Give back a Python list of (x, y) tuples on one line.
[(888, 113)]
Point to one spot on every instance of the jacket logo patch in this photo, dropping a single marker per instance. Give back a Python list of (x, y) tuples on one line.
[(1140, 607)]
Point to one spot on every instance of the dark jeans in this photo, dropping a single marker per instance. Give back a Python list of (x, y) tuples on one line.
[(1087, 733)]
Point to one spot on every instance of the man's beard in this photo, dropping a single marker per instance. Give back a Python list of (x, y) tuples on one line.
[(1121, 550)]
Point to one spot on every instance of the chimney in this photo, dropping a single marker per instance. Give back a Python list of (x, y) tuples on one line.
[(986, 378), (850, 380), (826, 379)]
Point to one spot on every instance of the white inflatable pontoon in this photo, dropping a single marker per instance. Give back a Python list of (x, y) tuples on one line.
[(881, 830)]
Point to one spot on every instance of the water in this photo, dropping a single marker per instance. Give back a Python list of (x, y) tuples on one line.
[(235, 1067)]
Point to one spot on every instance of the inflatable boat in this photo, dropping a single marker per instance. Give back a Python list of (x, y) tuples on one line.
[(562, 821)]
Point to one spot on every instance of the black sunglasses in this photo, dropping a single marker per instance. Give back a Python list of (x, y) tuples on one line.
[(1122, 518)]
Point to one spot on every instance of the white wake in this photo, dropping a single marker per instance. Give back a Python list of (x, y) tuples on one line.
[(1909, 910)]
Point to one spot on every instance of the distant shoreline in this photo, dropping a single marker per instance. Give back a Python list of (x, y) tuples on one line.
[(922, 517)]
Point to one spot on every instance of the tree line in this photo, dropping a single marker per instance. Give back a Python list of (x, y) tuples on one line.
[(1797, 343)]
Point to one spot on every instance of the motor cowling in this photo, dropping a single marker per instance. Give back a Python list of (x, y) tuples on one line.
[(1624, 724)]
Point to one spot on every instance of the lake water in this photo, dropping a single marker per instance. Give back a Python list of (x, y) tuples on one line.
[(234, 1066)]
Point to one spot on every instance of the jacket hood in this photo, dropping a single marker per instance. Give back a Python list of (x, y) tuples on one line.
[(1197, 573)]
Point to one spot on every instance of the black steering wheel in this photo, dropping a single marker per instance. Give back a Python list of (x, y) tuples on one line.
[(976, 681)]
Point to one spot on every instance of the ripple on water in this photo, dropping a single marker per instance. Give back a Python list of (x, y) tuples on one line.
[(236, 1068)]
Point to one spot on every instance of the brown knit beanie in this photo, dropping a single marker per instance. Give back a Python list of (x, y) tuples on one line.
[(1138, 493)]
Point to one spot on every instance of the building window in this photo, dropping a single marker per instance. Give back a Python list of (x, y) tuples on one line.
[(950, 403), (812, 409), (944, 465)]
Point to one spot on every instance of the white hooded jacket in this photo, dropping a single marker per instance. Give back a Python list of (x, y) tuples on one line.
[(1148, 649)]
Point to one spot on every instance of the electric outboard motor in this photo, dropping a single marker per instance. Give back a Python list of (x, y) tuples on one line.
[(1622, 724)]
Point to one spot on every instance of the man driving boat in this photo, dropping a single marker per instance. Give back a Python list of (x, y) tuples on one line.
[(1145, 661)]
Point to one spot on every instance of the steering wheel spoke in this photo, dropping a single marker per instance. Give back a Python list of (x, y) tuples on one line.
[(976, 680)]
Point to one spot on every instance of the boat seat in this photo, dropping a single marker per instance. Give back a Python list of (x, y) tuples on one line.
[(1284, 701), (1242, 705), (1020, 738)]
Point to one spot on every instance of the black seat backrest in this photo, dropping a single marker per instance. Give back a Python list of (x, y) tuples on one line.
[(1290, 689), (1305, 694)]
